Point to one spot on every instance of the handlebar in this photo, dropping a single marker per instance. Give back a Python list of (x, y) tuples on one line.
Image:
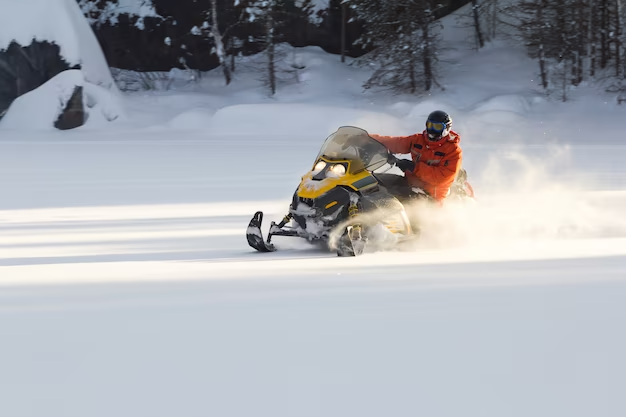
[(403, 164)]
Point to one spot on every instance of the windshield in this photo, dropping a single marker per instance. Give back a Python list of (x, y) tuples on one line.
[(356, 145)]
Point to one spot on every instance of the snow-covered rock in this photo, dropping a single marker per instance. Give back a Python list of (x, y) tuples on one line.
[(41, 108), (54, 35), (60, 22)]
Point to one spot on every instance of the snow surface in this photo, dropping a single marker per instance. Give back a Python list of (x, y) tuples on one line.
[(128, 288), (60, 22)]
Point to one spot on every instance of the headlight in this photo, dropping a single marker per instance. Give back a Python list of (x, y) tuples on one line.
[(319, 167), (336, 171)]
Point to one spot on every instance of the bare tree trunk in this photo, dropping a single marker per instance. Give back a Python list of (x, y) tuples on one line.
[(564, 81), (593, 39), (412, 77), (232, 53), (621, 44), (618, 38), (219, 43), (574, 74), (579, 67), (494, 17), (269, 33), (344, 13), (427, 56), (581, 42), (621, 97), (479, 33), (604, 44), (542, 54)]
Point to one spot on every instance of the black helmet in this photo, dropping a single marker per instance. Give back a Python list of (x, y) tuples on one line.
[(438, 125)]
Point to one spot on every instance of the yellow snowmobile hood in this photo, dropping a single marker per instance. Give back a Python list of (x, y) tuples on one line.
[(312, 186)]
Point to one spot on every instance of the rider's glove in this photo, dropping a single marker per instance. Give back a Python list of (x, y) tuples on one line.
[(405, 165)]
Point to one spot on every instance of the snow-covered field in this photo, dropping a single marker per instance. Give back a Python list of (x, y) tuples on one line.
[(127, 287)]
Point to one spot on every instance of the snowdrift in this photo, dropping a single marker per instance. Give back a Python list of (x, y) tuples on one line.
[(296, 120)]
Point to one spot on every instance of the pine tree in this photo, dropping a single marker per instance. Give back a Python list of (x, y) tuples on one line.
[(270, 16), (402, 33), (573, 39), (482, 17)]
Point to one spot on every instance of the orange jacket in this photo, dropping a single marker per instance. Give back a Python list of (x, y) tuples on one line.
[(436, 163)]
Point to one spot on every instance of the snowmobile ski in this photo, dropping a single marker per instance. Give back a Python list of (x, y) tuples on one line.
[(255, 235)]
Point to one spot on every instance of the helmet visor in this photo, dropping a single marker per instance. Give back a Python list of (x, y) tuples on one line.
[(435, 126)]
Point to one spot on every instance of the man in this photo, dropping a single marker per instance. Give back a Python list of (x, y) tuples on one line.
[(436, 155)]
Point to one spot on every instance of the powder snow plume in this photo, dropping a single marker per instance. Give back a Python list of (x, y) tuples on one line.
[(521, 198)]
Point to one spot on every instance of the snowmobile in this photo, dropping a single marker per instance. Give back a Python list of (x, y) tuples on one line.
[(343, 203)]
